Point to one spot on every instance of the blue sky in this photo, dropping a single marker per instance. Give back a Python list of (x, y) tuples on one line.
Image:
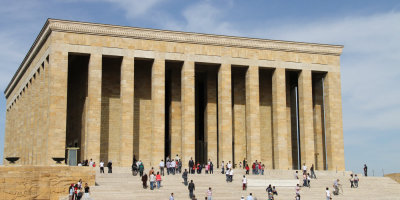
[(369, 30)]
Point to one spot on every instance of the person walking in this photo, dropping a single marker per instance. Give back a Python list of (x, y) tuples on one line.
[(109, 166), (247, 169), (244, 182), (162, 167), (356, 181), (191, 164), (144, 180), (222, 167), (231, 175), (312, 172), (185, 176), (87, 191), (141, 169), (304, 168), (101, 167), (351, 181), (328, 194), (191, 188), (365, 170), (209, 194), (158, 179), (211, 167), (152, 181)]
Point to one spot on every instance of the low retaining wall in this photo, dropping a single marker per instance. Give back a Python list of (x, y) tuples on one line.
[(41, 182), (394, 176)]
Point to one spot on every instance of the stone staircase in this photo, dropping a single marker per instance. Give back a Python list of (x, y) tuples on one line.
[(121, 185)]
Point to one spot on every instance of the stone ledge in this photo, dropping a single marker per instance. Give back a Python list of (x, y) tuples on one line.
[(41, 182)]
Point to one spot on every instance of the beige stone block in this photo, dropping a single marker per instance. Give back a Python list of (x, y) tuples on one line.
[(253, 114), (265, 92), (211, 117), (127, 111), (279, 119), (158, 112), (319, 143), (306, 118), (175, 111), (225, 113), (58, 73), (239, 115), (93, 121), (333, 121), (188, 111)]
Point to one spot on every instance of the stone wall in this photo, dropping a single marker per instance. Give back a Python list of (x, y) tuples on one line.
[(41, 182)]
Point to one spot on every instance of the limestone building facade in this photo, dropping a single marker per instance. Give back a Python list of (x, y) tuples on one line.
[(116, 92)]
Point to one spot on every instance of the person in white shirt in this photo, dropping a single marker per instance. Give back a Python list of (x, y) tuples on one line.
[(79, 164), (162, 167), (229, 165), (173, 165), (304, 168), (171, 197), (177, 157), (328, 194), (250, 197), (101, 167), (152, 181), (209, 194), (231, 175), (222, 167), (244, 181), (91, 163)]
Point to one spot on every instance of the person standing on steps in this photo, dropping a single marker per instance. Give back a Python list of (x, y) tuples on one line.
[(109, 166), (152, 180), (185, 176), (141, 169), (250, 197), (144, 180), (209, 194), (158, 179), (101, 167), (365, 170), (304, 168), (162, 167), (191, 164), (191, 188), (244, 181), (312, 172), (351, 181), (328, 194), (222, 167), (171, 197), (356, 181)]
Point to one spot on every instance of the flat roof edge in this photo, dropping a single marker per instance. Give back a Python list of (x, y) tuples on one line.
[(165, 35)]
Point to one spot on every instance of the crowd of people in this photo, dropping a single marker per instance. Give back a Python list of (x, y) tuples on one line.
[(77, 191), (174, 166)]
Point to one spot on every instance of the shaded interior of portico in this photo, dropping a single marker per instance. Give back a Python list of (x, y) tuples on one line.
[(206, 122)]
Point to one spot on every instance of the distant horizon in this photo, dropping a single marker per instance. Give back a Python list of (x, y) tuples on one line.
[(367, 29)]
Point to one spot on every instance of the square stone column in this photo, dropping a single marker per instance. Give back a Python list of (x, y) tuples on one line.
[(306, 118), (253, 114), (127, 105), (280, 135), (175, 114), (333, 121), (58, 84), (188, 112), (93, 115), (211, 117), (225, 113), (158, 113)]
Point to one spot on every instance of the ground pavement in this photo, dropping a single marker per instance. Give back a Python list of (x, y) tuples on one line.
[(121, 185)]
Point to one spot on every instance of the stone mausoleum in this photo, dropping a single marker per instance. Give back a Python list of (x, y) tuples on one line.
[(115, 92)]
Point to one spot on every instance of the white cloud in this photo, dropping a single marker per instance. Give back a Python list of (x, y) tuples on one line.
[(135, 8)]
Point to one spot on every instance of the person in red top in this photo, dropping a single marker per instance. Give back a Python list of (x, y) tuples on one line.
[(247, 169), (254, 168), (158, 180)]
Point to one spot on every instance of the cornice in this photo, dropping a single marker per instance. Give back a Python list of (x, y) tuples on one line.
[(164, 35)]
